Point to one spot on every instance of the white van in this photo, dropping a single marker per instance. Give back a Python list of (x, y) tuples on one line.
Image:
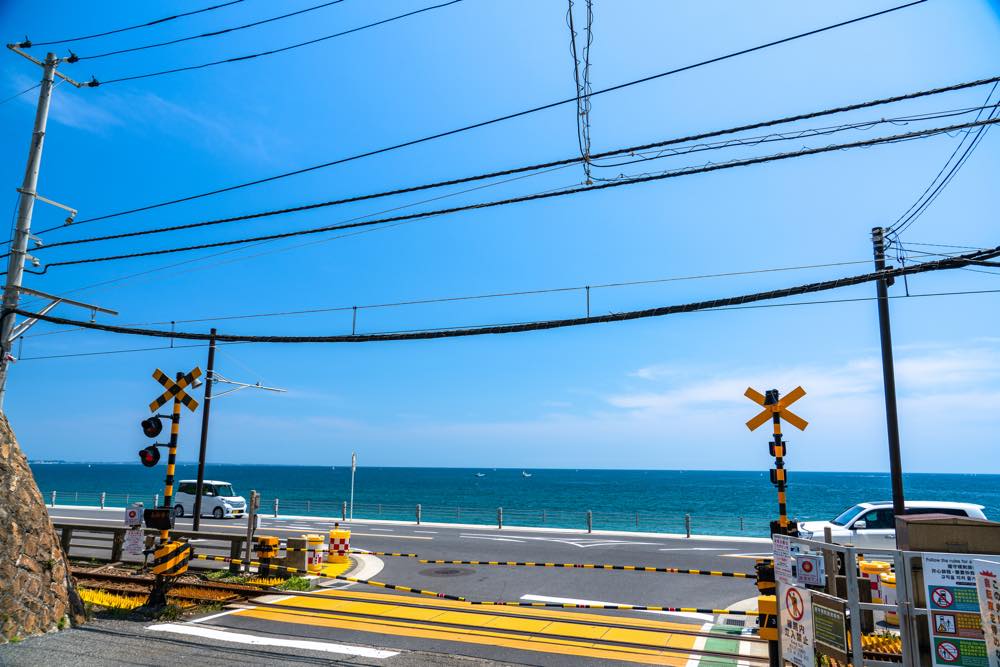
[(873, 524), (217, 499)]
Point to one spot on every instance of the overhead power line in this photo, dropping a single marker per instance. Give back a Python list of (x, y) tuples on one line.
[(271, 52), (498, 119), (643, 153), (545, 195), (134, 27), (214, 33), (16, 95), (740, 300), (794, 304)]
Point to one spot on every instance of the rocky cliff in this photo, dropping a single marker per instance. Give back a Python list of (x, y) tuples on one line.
[(36, 590)]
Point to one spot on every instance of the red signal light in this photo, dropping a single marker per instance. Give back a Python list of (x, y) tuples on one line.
[(149, 456)]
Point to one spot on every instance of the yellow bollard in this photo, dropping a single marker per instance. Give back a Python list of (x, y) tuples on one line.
[(872, 570), (340, 546), (316, 553)]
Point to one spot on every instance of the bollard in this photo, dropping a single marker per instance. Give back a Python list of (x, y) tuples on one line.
[(590, 521), (741, 524), (275, 508), (53, 498), (380, 509), (687, 524), (156, 500), (308, 506), (343, 511), (418, 514), (103, 495), (543, 517), (499, 518), (126, 500)]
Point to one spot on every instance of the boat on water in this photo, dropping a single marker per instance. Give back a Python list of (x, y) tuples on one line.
[(480, 474), (525, 474)]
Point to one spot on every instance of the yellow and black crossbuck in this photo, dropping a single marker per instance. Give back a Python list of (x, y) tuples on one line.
[(175, 389)]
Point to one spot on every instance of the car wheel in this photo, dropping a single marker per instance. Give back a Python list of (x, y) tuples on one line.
[(218, 513), (178, 510)]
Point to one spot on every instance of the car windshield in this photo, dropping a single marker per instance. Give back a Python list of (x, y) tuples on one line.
[(846, 517), (224, 490)]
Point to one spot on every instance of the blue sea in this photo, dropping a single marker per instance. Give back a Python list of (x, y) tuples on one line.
[(718, 502)]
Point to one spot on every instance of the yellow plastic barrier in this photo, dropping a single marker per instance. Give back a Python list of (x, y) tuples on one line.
[(340, 546), (888, 582), (872, 570)]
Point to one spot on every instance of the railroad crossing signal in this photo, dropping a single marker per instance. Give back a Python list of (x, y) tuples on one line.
[(776, 406), (175, 390)]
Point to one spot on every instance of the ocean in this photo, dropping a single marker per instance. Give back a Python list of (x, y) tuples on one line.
[(718, 502)]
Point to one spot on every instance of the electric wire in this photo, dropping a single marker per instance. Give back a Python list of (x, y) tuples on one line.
[(135, 27), (533, 197), (16, 95), (538, 325), (544, 107), (214, 33), (479, 297), (927, 197), (643, 156), (282, 49)]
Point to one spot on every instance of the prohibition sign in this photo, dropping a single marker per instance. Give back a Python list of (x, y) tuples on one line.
[(795, 605), (807, 566), (947, 651), (942, 597)]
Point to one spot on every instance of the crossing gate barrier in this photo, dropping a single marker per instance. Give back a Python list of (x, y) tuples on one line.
[(340, 546), (267, 546), (171, 558), (767, 619)]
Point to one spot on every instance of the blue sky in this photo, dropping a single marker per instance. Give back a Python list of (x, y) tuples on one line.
[(660, 393)]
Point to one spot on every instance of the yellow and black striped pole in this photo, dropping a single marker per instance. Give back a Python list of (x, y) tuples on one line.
[(168, 484), (778, 477)]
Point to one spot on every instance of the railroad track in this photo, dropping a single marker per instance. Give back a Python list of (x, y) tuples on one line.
[(214, 591)]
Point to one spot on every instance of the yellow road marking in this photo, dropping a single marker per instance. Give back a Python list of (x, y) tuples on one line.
[(537, 629)]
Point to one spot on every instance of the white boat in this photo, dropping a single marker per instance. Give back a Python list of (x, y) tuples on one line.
[(480, 474), (525, 474)]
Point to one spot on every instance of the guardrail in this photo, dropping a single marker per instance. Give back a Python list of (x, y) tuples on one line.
[(584, 519), (107, 542)]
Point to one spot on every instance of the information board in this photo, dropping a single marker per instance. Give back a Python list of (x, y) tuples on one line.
[(988, 586), (956, 630), (830, 626), (134, 541)]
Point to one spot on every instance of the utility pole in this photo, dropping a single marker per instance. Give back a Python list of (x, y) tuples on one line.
[(25, 207), (22, 231), (204, 431), (888, 374)]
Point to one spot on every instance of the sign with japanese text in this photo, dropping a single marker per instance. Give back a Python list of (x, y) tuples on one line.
[(796, 625), (135, 541), (830, 626), (957, 638), (988, 586)]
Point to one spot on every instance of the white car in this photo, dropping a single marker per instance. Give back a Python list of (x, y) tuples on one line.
[(217, 499), (873, 525)]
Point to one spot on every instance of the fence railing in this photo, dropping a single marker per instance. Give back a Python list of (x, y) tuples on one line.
[(583, 519)]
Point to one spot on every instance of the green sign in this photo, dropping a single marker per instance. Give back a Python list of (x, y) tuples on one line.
[(830, 626)]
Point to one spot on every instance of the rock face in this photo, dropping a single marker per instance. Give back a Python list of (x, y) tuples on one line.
[(36, 590)]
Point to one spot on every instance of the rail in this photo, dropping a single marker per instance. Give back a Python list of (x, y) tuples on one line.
[(584, 519)]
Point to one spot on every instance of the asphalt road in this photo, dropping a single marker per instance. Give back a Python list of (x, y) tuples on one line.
[(410, 629)]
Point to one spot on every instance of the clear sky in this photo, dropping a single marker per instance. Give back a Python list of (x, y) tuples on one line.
[(658, 393)]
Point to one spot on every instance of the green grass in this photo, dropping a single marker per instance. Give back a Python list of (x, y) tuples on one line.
[(295, 584)]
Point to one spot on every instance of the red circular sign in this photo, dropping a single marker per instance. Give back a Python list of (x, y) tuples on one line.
[(942, 597), (795, 604), (807, 566), (948, 652)]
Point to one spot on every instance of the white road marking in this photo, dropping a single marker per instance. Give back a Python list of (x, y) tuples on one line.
[(426, 532), (683, 614), (582, 542), (693, 549), (384, 530), (495, 539), (765, 554), (239, 638), (699, 645)]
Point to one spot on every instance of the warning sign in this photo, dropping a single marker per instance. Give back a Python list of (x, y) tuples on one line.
[(133, 515), (988, 586), (134, 541), (955, 623)]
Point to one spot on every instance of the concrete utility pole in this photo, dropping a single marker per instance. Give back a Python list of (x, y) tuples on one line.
[(22, 231), (888, 374), (26, 205)]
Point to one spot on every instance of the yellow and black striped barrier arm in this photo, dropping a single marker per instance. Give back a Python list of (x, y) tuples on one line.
[(351, 551), (171, 558), (594, 566)]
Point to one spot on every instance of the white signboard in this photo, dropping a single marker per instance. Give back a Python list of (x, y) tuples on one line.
[(988, 585), (133, 515), (956, 631), (809, 570), (135, 541), (794, 608)]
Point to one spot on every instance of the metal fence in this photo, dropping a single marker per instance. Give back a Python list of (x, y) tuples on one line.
[(581, 519)]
